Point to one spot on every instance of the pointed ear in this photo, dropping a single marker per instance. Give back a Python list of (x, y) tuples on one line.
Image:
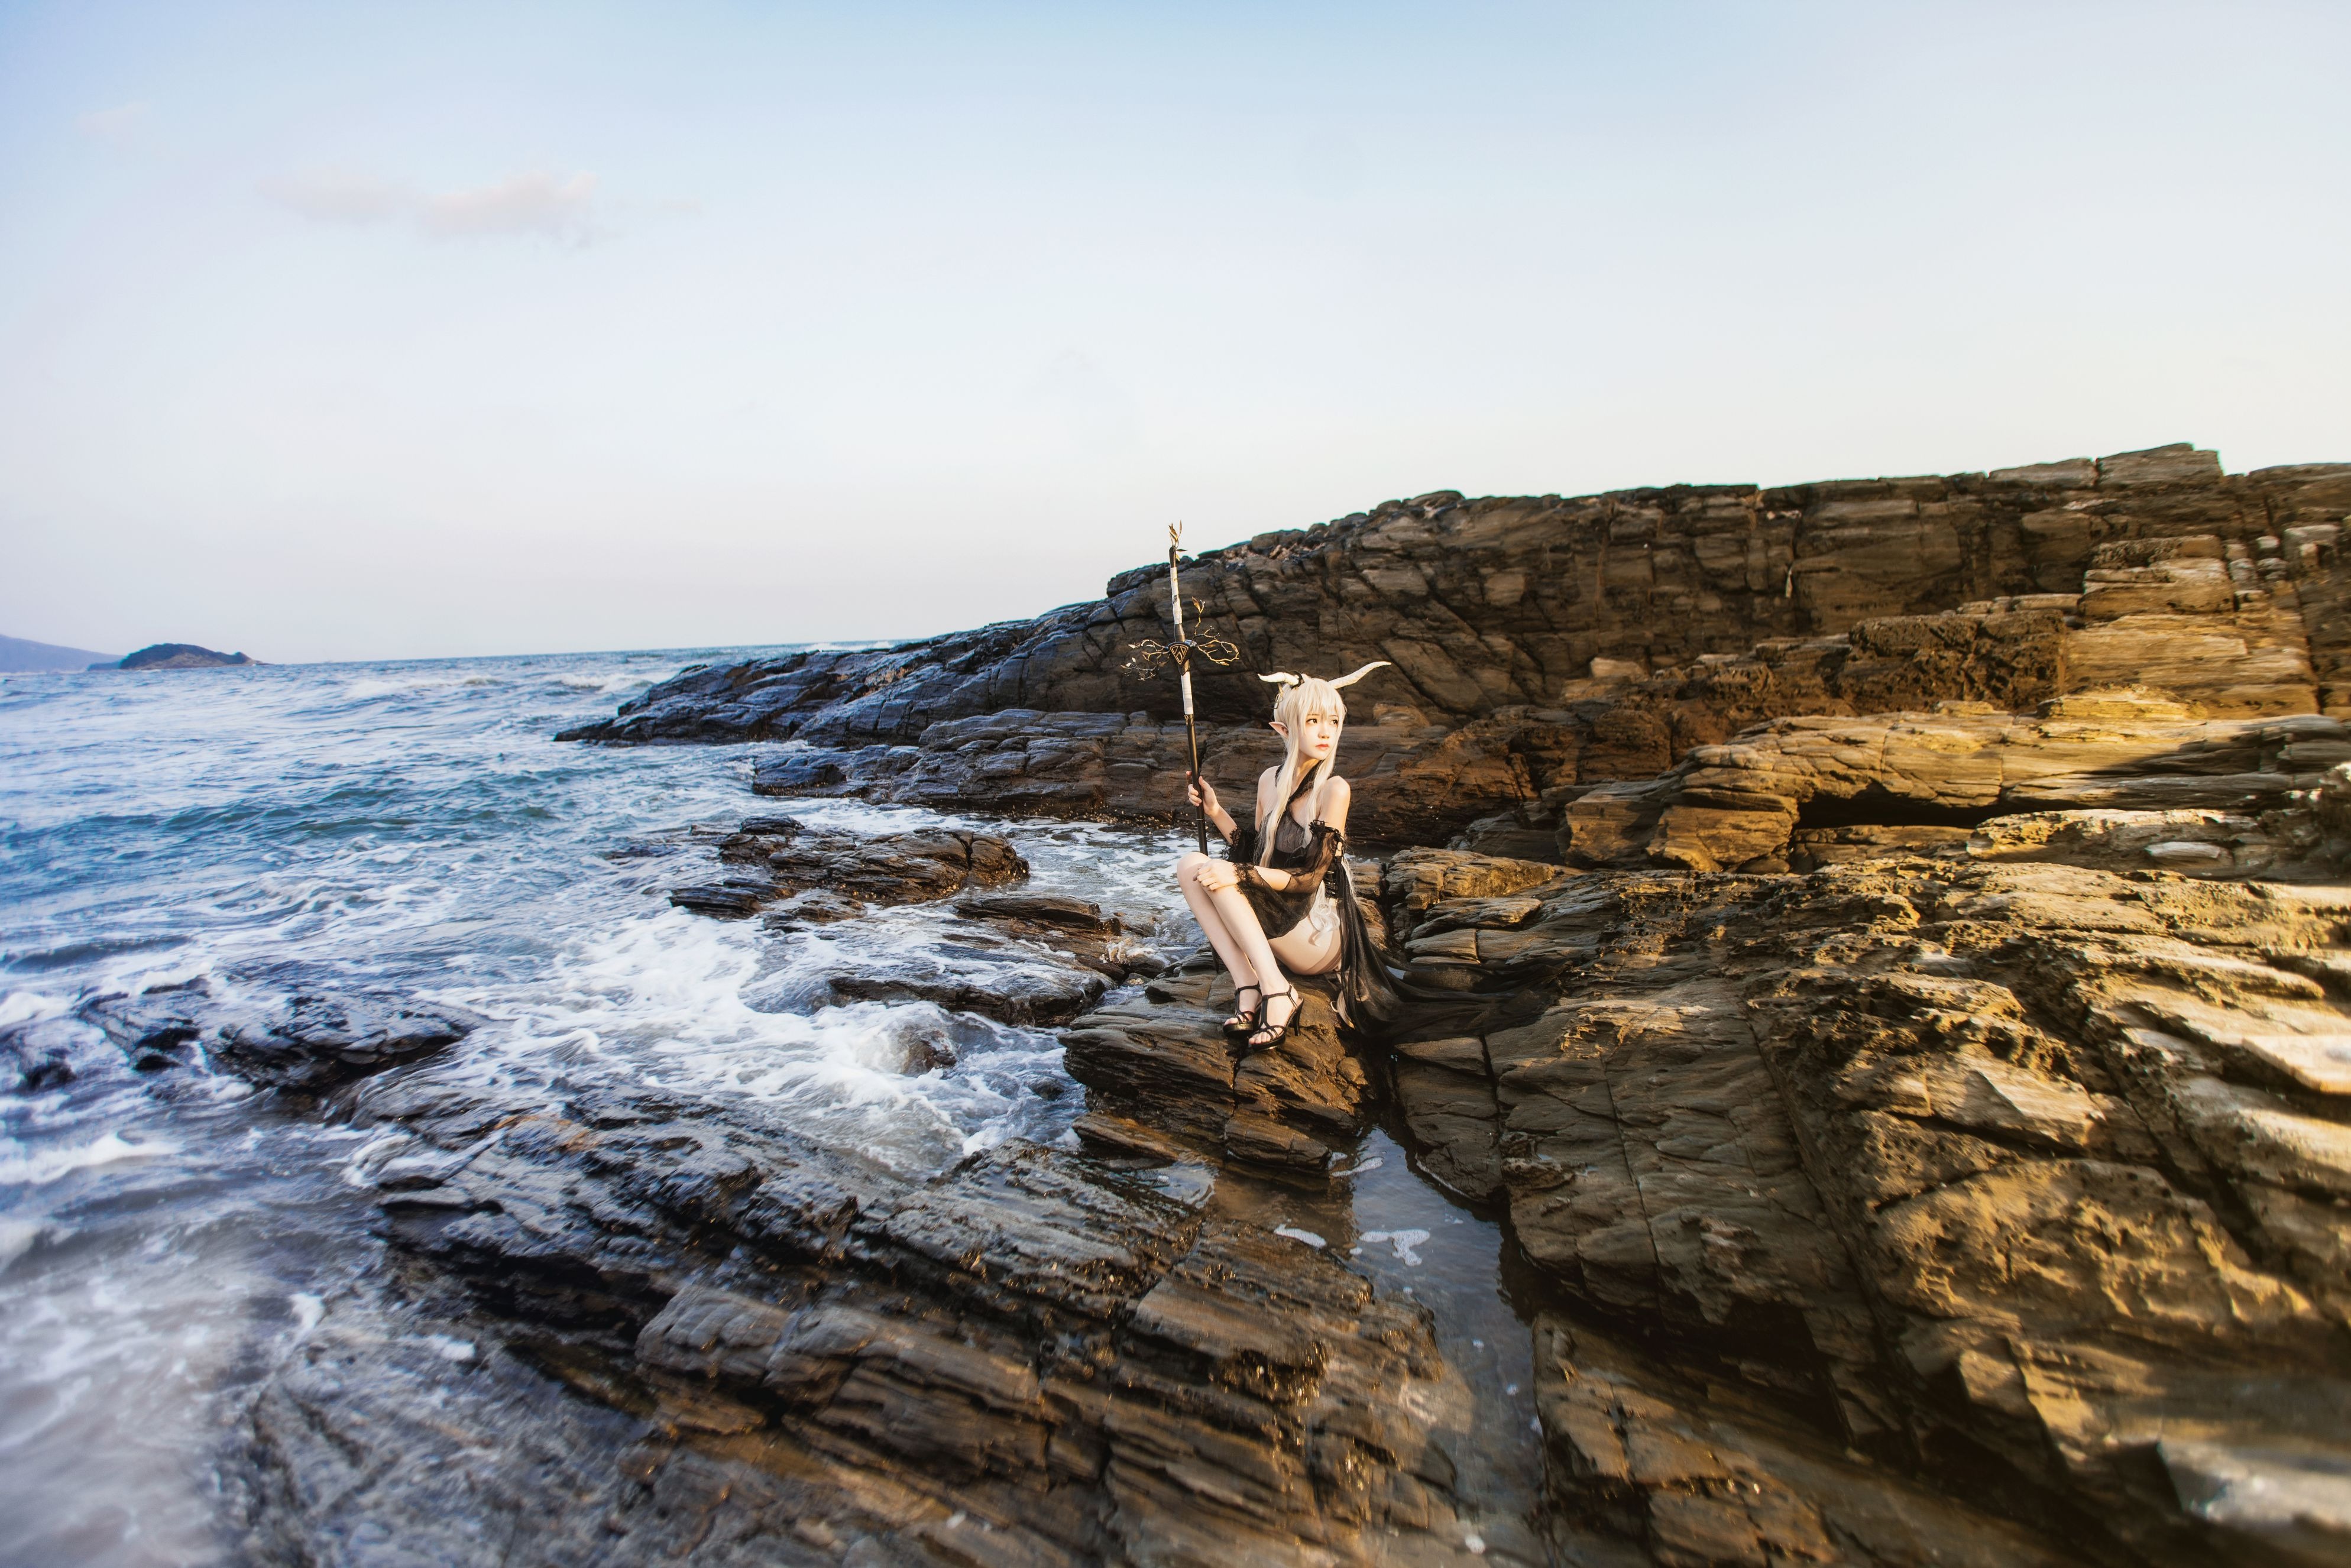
[(1278, 727)]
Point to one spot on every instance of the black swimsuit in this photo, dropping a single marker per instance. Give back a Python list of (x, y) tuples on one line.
[(1315, 857)]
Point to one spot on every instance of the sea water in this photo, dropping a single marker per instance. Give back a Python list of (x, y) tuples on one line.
[(412, 829)]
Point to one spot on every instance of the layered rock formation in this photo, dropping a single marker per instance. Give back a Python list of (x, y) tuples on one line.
[(1542, 644), (822, 877), (1890, 976), (784, 1354), (2034, 1176)]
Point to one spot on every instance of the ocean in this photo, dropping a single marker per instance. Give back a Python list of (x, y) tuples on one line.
[(410, 829)]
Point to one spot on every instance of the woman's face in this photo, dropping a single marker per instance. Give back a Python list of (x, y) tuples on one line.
[(1318, 736)]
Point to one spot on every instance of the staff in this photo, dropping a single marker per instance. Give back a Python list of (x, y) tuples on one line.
[(1148, 656)]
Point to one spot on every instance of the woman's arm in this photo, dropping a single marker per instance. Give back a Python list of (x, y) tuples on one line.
[(1203, 794), (1335, 799)]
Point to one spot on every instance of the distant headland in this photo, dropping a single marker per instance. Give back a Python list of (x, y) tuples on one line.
[(21, 655), (177, 656)]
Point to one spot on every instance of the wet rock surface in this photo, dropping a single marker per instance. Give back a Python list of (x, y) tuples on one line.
[(775, 1352), (825, 874), (1163, 1060), (308, 1041), (1019, 958)]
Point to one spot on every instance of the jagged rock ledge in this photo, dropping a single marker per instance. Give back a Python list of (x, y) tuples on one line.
[(1544, 645)]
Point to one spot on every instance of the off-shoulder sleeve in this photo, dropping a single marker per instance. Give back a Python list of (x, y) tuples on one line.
[(1240, 844), (1326, 847), (1329, 849)]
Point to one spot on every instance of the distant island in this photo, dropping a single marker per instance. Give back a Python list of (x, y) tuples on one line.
[(21, 655), (175, 656)]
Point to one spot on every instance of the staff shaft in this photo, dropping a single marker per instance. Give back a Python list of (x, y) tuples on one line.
[(1183, 652)]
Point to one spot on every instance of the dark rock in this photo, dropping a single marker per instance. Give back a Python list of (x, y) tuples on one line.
[(311, 1043), (318, 1042), (816, 907), (735, 895), (1124, 1137), (1018, 994), (1696, 1473), (813, 771), (1614, 633), (157, 1028), (40, 1052), (1878, 783), (1541, 587), (778, 857), (1164, 1060), (1041, 908), (799, 773), (779, 1353), (926, 1054)]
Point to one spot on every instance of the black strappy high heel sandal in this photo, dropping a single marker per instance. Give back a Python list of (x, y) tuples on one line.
[(1244, 1020), (1275, 1032)]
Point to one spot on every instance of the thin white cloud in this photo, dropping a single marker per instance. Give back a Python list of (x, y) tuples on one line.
[(533, 204), (116, 127)]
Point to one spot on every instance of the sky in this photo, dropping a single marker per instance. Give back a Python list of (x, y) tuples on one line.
[(405, 330)]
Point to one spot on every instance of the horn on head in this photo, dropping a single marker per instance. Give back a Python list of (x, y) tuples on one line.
[(1281, 678), (1359, 674)]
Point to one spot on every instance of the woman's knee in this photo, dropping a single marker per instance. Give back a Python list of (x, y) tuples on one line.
[(1193, 865)]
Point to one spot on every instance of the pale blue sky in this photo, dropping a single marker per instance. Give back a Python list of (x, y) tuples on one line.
[(353, 331)]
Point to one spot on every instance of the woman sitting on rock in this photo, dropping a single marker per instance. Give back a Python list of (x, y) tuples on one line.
[(1284, 899)]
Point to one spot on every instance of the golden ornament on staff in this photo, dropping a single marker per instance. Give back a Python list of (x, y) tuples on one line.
[(1150, 656)]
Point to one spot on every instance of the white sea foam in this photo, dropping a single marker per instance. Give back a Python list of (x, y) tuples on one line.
[(17, 1237), (1404, 1241), (18, 1006), (44, 1166), (603, 684)]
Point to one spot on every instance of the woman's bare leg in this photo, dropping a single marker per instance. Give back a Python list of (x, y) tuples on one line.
[(1305, 953), (1231, 925), (1302, 953), (1229, 952)]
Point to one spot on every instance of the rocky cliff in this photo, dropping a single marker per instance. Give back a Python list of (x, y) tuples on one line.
[(1881, 948), (1541, 645)]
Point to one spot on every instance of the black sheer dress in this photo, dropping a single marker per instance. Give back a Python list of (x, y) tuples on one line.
[(1320, 890)]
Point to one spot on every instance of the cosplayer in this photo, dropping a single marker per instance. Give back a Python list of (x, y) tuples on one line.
[(1284, 904)]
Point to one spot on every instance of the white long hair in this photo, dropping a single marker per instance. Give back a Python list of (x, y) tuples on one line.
[(1300, 697)]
